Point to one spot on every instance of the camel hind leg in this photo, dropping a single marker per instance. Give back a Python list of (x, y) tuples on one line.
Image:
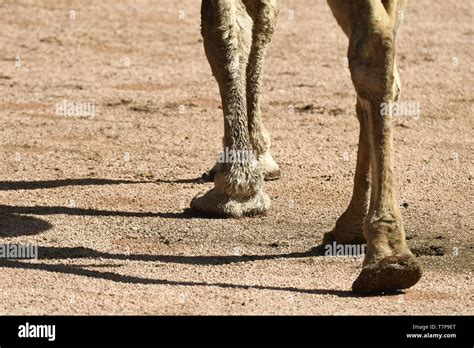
[(264, 14)]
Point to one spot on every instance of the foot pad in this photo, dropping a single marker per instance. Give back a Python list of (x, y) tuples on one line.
[(387, 275)]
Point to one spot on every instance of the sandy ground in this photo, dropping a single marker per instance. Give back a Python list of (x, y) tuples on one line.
[(104, 197)]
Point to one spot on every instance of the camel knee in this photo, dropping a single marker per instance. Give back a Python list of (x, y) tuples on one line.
[(264, 14), (371, 58)]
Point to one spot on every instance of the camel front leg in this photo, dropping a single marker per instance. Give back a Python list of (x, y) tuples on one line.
[(371, 26), (227, 35), (264, 14)]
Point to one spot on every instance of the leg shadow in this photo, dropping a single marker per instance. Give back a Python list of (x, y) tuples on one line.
[(59, 210), (14, 225), (79, 270), (46, 184)]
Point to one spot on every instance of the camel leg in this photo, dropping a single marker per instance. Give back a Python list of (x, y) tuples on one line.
[(264, 15), (350, 225), (371, 26), (227, 34)]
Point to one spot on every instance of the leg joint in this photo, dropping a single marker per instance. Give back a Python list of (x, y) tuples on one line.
[(372, 63)]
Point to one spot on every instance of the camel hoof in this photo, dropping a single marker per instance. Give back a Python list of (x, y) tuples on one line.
[(342, 237), (215, 204), (208, 176), (270, 169), (270, 176), (348, 230), (388, 275)]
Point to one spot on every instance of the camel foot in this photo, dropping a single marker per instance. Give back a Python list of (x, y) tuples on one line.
[(217, 204), (348, 230), (389, 274), (210, 174), (270, 169)]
